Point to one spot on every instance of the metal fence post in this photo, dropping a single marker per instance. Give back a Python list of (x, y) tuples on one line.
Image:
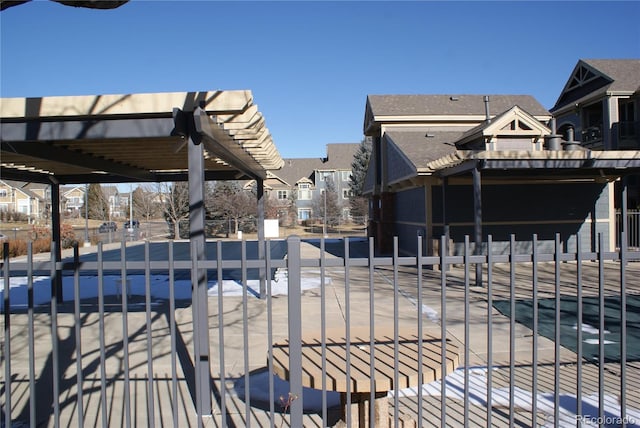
[(295, 329)]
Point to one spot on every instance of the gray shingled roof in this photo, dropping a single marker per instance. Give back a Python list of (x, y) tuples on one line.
[(625, 73), (421, 105), (420, 149), (339, 156)]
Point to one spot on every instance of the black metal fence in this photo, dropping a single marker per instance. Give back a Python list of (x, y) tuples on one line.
[(108, 338)]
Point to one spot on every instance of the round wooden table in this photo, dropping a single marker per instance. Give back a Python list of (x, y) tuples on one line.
[(385, 366)]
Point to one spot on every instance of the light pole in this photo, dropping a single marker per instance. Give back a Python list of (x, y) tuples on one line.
[(324, 223), (131, 211), (86, 215)]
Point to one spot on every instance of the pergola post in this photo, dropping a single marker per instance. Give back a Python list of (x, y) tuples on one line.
[(261, 249), (477, 220), (199, 277), (55, 237)]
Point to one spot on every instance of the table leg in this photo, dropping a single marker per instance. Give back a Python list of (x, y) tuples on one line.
[(360, 402)]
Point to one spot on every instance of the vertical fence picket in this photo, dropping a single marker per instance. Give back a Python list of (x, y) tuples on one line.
[(78, 331), (32, 346), (147, 301), (347, 305), (396, 332), (295, 332), (172, 333), (221, 341), (443, 328), (467, 282), (601, 326), (420, 328), (245, 330), (623, 326), (55, 356), (512, 327), (125, 334), (372, 326), (557, 335), (489, 329), (323, 329), (7, 337), (269, 301), (579, 315), (101, 338), (534, 309)]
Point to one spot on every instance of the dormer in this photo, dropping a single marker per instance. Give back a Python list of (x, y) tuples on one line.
[(515, 129)]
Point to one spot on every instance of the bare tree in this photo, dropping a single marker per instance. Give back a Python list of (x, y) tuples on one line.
[(147, 201), (176, 204)]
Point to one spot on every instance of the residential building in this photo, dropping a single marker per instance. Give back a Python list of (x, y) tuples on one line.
[(473, 165), (31, 199), (116, 202), (72, 199), (34, 199), (300, 183), (600, 104)]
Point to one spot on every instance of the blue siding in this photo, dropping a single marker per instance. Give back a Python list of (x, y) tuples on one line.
[(542, 209), (409, 208)]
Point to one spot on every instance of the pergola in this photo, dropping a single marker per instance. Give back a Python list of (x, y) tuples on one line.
[(160, 137)]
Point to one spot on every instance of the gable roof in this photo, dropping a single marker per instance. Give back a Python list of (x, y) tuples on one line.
[(23, 187), (514, 121), (339, 156), (418, 108), (593, 77)]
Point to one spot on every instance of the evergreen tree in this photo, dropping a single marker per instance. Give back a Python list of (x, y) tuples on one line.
[(332, 204), (97, 203), (359, 166), (230, 202)]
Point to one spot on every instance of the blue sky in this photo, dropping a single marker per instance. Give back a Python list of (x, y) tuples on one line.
[(310, 65)]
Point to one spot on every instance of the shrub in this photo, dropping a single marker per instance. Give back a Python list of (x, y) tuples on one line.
[(41, 245), (17, 247), (67, 236), (40, 232)]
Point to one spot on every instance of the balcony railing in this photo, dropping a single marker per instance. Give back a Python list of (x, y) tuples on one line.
[(628, 135), (592, 136)]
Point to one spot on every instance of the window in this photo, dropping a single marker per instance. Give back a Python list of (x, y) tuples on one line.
[(304, 191), (283, 194), (3, 193), (326, 174), (304, 214), (346, 175), (346, 193)]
